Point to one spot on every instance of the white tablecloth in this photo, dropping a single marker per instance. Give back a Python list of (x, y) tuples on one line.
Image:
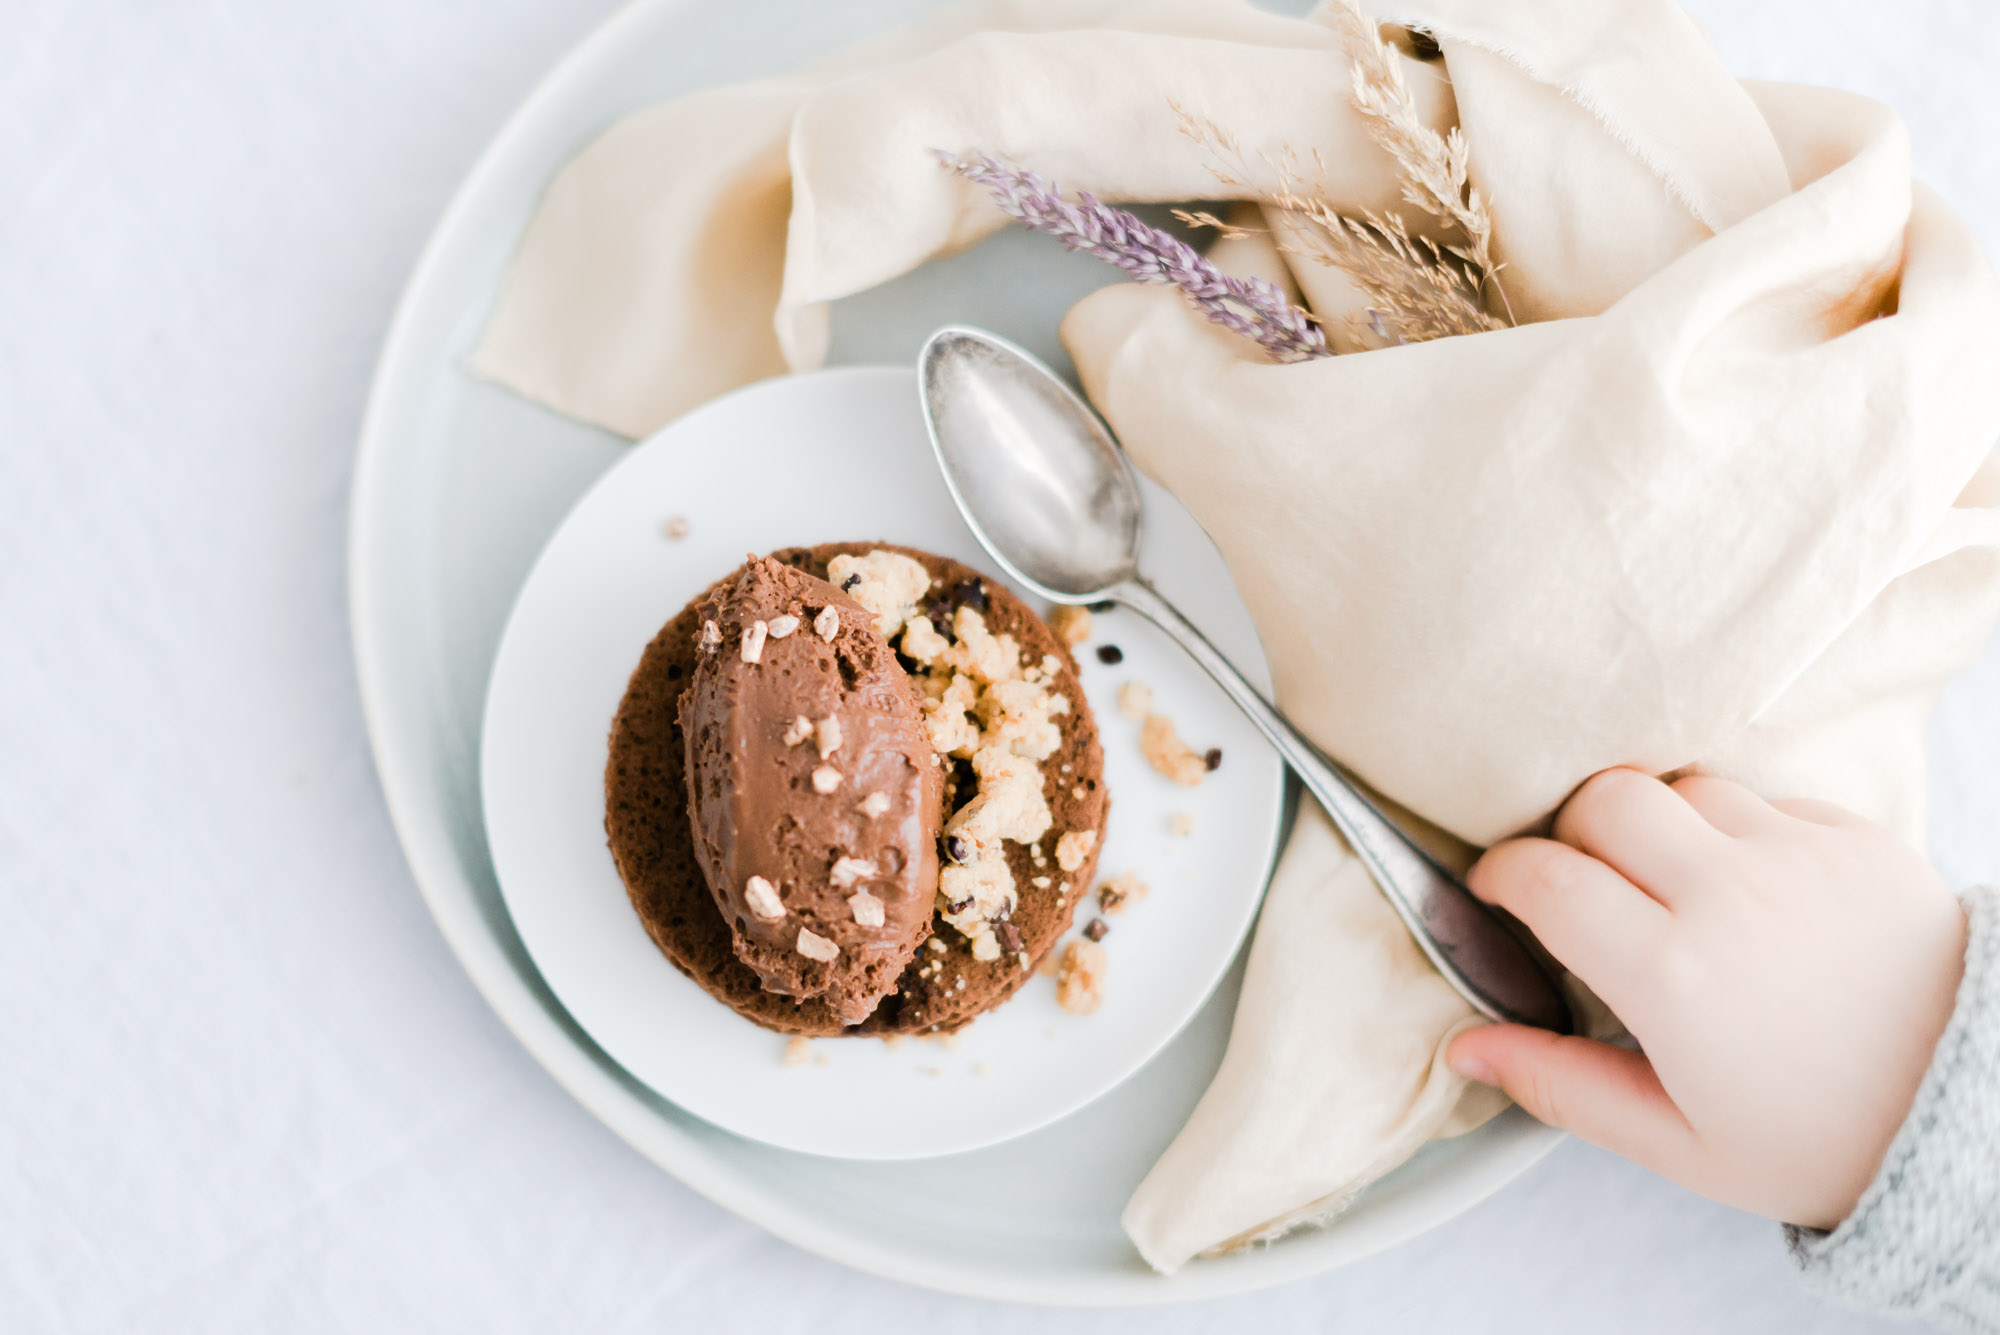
[(243, 1084)]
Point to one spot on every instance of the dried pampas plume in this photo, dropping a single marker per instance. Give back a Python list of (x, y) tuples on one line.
[(1435, 167), (1417, 288)]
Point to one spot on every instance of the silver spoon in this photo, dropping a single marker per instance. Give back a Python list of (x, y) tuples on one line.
[(1051, 496)]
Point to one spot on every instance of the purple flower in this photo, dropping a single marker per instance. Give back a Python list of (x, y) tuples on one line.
[(1251, 307)]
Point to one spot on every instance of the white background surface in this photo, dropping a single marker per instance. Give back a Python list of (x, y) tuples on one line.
[(243, 1085)]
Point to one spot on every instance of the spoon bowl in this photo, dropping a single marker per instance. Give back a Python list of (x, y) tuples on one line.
[(1037, 474)]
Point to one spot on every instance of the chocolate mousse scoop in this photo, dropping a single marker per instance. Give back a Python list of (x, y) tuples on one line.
[(814, 793)]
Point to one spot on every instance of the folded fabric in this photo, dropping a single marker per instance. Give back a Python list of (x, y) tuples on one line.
[(1721, 501)]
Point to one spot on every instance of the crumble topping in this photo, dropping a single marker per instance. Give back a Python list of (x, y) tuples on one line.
[(1135, 699), (1181, 824), (974, 896), (816, 947), (886, 583), (762, 897), (989, 712), (982, 706), (799, 1051), (868, 910), (1074, 847), (847, 871), (678, 527), (921, 640)]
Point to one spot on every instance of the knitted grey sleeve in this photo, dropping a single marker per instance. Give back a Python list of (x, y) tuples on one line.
[(1925, 1239)]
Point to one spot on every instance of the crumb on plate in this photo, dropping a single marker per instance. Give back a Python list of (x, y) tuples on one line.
[(1080, 977)]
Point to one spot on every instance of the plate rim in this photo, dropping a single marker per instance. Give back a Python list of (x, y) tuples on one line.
[(563, 1050)]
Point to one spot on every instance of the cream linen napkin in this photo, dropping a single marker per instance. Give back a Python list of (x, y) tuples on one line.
[(1725, 504)]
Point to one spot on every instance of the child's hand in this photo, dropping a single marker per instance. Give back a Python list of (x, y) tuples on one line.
[(1787, 968)]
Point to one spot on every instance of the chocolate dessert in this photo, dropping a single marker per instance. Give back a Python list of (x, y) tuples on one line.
[(875, 814), (815, 794)]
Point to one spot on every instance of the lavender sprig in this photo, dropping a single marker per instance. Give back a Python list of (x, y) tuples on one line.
[(1251, 307)]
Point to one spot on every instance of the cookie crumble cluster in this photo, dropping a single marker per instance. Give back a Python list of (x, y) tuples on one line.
[(986, 713)]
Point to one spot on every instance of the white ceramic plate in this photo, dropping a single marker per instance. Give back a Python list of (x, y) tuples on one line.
[(458, 486), (842, 455)]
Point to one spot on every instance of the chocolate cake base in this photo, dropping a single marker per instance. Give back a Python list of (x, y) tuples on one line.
[(646, 820)]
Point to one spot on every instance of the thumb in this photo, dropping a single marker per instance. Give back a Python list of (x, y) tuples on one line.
[(1605, 1095)]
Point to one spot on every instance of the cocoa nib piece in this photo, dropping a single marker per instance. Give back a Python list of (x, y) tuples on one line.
[(1110, 654), (1097, 928), (1008, 935), (966, 593), (961, 785), (938, 613), (1214, 758)]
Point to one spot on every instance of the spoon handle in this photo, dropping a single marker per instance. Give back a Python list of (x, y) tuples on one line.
[(1475, 951)]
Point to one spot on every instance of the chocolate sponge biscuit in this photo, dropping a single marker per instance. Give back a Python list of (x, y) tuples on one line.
[(646, 820)]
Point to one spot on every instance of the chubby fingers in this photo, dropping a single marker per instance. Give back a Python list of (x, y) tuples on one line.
[(1815, 812), (1600, 925), (1728, 806), (1650, 833), (1606, 1095)]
